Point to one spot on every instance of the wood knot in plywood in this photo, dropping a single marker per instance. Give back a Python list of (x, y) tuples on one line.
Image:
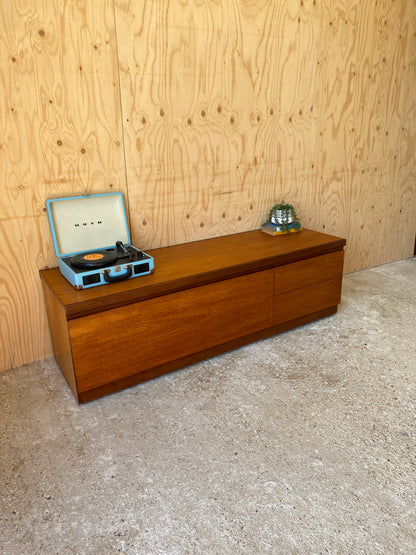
[(255, 118)]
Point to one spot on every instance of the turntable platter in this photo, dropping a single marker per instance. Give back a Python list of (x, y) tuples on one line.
[(93, 259)]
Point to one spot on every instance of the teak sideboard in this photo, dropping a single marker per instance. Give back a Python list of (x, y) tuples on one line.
[(204, 298)]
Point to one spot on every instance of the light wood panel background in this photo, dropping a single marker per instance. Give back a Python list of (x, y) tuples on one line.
[(204, 114), (60, 134)]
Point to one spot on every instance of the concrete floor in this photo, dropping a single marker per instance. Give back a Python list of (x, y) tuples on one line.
[(302, 443)]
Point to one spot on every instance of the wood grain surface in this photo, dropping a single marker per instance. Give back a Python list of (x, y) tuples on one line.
[(229, 107), (307, 300), (207, 297), (25, 247), (308, 272), (61, 129), (187, 322), (211, 95), (204, 114), (203, 262), (60, 135)]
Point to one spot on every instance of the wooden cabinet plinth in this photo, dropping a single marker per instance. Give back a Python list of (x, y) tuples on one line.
[(204, 298)]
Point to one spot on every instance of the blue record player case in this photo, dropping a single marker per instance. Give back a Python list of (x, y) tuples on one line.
[(92, 242)]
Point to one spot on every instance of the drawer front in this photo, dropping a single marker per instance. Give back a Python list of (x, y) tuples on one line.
[(308, 272), (124, 341), (300, 302)]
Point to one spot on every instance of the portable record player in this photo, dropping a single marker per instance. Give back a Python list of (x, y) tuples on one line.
[(92, 241)]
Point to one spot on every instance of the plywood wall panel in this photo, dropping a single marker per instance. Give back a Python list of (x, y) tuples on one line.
[(362, 105), (60, 129), (5, 359), (389, 153), (213, 97), (25, 249), (60, 135)]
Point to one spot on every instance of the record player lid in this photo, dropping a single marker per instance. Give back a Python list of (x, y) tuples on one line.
[(87, 223)]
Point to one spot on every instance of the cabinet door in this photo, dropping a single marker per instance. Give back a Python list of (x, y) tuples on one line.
[(131, 339)]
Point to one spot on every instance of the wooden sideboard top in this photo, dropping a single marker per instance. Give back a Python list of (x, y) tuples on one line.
[(188, 265)]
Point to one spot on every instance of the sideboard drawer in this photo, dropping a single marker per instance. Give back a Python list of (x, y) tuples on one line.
[(308, 272), (135, 338), (307, 300)]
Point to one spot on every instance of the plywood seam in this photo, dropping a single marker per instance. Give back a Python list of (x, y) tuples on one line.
[(122, 120)]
